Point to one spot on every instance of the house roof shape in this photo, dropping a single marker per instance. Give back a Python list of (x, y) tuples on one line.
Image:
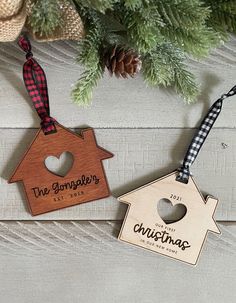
[(144, 227), (84, 181), (53, 144), (167, 185)]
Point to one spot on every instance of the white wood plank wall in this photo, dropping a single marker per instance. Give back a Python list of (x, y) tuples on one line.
[(72, 255)]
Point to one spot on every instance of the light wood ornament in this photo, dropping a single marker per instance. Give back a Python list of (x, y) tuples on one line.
[(84, 182), (182, 240)]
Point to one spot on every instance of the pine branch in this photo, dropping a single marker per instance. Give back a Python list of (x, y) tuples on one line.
[(82, 93), (185, 26), (184, 84), (45, 17), (162, 31), (99, 5), (197, 43), (182, 13), (133, 4), (89, 56), (165, 67), (142, 26), (223, 16), (89, 49)]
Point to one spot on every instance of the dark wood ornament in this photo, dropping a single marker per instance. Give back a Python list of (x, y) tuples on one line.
[(85, 180)]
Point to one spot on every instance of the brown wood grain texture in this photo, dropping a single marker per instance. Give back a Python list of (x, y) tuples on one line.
[(84, 182)]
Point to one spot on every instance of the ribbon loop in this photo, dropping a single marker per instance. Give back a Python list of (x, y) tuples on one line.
[(36, 85), (201, 135), (24, 43)]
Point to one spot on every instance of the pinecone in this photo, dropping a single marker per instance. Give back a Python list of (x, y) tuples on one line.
[(122, 62)]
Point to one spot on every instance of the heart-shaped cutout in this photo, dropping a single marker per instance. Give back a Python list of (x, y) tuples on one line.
[(60, 166), (170, 213)]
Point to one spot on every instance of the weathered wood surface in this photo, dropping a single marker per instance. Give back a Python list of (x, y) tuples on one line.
[(140, 156), (83, 262), (116, 103), (148, 130)]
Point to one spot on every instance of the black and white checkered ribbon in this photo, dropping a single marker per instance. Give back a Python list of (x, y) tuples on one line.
[(200, 137)]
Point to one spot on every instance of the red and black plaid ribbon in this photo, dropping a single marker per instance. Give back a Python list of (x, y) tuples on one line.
[(36, 84)]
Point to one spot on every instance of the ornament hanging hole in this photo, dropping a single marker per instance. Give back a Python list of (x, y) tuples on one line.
[(59, 166), (170, 213)]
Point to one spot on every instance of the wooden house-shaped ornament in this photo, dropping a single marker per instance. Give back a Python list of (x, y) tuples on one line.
[(182, 240), (84, 181)]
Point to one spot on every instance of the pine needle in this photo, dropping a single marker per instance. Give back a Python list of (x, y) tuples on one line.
[(165, 66), (82, 93), (163, 32), (99, 5), (45, 17)]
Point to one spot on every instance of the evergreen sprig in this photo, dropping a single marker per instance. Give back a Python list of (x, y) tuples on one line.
[(185, 26), (223, 16), (89, 56), (142, 26), (133, 4), (45, 16), (165, 67), (83, 90), (163, 32), (99, 5)]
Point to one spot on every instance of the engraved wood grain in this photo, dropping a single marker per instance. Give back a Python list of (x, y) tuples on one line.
[(182, 240), (84, 182)]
